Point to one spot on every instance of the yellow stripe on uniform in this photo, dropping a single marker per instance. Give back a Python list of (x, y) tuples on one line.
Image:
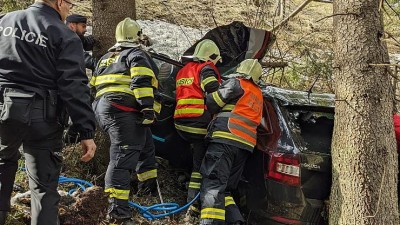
[(141, 70), (192, 130), (112, 79), (143, 92), (196, 175), (92, 81), (226, 135), (189, 111), (194, 185), (147, 175), (117, 193), (144, 71), (229, 201), (217, 99), (212, 213), (115, 88), (157, 107), (228, 107), (193, 101), (207, 81)]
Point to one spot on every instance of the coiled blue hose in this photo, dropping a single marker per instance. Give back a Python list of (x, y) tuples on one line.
[(144, 210), (173, 207), (78, 182)]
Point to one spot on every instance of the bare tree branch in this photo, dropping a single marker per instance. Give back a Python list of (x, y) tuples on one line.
[(294, 13)]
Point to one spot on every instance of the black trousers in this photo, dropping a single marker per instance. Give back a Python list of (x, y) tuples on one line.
[(221, 169), (131, 148), (198, 148), (42, 146)]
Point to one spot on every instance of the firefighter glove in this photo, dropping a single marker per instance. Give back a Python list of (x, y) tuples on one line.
[(148, 117)]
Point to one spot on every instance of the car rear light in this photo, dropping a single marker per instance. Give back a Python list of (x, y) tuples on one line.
[(284, 220), (284, 168)]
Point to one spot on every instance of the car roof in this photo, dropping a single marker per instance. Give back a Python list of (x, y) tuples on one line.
[(301, 99)]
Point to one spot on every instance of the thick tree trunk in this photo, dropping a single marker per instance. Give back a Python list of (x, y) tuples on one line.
[(364, 157), (106, 15)]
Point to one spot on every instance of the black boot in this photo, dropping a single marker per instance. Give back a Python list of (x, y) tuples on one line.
[(119, 209), (3, 217)]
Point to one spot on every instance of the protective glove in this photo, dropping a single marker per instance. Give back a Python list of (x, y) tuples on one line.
[(148, 117), (88, 43)]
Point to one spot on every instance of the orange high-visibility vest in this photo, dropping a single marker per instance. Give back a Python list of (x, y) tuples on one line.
[(246, 115), (189, 95)]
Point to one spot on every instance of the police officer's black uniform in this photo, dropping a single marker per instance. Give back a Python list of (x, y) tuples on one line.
[(41, 72), (125, 81)]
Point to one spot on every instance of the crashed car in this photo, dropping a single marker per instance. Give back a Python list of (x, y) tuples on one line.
[(287, 179)]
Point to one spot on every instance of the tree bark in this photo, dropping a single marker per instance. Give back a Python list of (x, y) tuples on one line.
[(364, 157), (106, 15)]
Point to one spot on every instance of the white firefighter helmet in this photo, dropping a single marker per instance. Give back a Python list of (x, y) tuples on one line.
[(251, 68), (128, 30), (207, 50)]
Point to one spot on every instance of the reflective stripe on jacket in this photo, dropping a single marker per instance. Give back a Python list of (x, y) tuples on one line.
[(190, 90)]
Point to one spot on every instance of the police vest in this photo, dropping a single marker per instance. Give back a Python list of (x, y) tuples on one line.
[(189, 95), (245, 117)]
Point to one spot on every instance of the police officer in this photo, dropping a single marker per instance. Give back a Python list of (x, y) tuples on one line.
[(193, 82), (232, 136), (41, 72), (125, 83), (78, 23)]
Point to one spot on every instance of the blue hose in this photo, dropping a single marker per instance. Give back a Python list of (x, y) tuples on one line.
[(145, 211), (160, 139), (173, 207), (81, 183)]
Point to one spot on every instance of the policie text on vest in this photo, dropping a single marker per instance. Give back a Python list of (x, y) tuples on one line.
[(24, 35)]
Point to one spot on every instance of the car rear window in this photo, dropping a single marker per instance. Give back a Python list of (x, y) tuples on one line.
[(313, 130)]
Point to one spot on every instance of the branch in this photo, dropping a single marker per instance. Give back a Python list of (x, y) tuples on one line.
[(384, 64), (337, 14), (274, 64), (390, 6), (323, 1), (295, 12)]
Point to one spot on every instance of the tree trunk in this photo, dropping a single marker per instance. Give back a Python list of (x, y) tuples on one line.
[(364, 157), (106, 15), (282, 7)]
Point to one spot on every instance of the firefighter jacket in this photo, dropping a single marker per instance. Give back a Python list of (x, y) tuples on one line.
[(238, 105), (193, 81), (38, 50), (130, 73)]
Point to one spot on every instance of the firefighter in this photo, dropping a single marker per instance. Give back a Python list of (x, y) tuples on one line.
[(193, 82), (232, 137), (78, 23), (125, 82), (41, 73)]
